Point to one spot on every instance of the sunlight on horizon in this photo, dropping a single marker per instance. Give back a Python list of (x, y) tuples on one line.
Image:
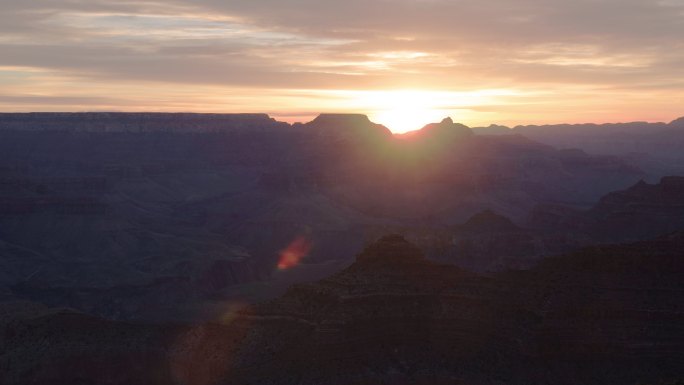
[(407, 109), (404, 111)]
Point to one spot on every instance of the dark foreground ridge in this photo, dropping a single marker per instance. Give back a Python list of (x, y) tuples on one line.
[(604, 315)]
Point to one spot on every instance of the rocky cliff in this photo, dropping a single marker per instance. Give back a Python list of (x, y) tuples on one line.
[(102, 211), (609, 315), (638, 212)]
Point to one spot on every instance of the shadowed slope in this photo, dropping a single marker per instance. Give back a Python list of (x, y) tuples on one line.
[(638, 212), (608, 315), (133, 216)]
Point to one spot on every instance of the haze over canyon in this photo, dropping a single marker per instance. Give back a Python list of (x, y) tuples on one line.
[(234, 248)]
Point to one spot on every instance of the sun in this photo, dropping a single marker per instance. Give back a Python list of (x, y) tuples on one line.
[(401, 120), (403, 111), (411, 109)]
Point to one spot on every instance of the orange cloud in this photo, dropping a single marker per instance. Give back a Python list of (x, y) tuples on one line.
[(554, 63)]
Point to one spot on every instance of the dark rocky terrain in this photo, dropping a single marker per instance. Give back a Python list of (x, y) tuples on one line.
[(602, 315), (208, 249), (486, 242), (491, 242), (641, 211), (157, 216)]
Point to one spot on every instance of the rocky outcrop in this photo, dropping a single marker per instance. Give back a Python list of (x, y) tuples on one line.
[(668, 194), (639, 212), (487, 242), (113, 203), (394, 316), (490, 242), (445, 130), (351, 135), (615, 312), (355, 125), (488, 221)]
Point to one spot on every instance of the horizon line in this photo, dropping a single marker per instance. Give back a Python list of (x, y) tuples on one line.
[(275, 117)]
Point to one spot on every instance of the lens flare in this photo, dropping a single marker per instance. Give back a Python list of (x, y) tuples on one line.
[(292, 255)]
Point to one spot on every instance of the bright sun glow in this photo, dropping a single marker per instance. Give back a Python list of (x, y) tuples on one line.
[(403, 111), (407, 110)]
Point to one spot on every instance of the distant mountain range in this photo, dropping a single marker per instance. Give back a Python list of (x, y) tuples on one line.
[(135, 122), (656, 147), (641, 211)]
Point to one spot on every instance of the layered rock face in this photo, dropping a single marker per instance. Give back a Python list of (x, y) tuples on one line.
[(641, 211), (604, 315), (609, 315), (644, 210), (129, 216), (487, 242), (391, 316), (491, 242)]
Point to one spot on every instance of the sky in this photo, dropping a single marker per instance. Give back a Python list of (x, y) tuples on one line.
[(402, 62)]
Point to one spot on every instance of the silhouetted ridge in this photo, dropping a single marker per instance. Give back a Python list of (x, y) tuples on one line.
[(493, 129), (136, 122), (447, 126), (444, 130), (332, 120), (642, 141), (639, 212), (678, 122), (356, 125), (668, 193), (391, 249), (489, 221)]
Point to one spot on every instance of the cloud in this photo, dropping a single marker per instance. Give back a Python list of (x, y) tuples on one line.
[(459, 46)]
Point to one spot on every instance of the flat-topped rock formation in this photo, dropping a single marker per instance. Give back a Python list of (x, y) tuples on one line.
[(354, 124), (136, 122)]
